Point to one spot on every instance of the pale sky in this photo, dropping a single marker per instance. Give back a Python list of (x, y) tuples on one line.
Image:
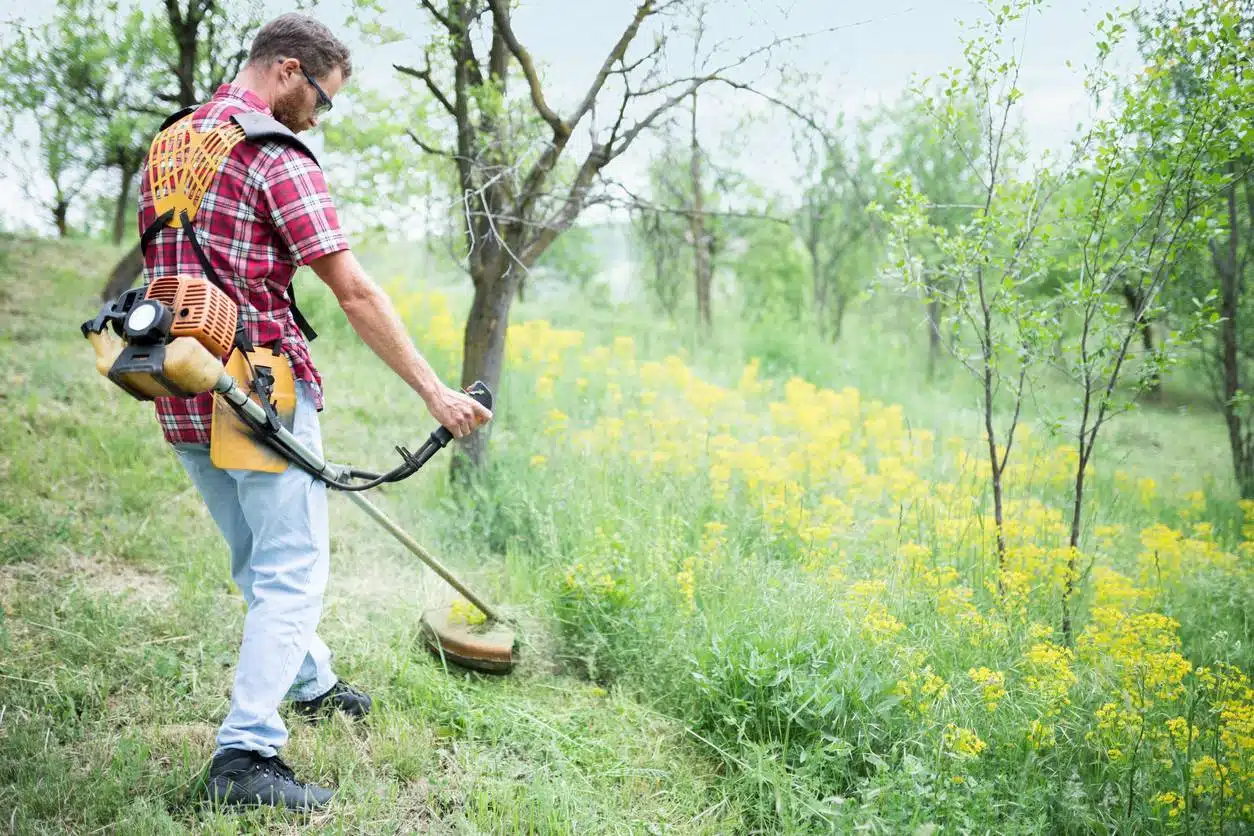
[(865, 52)]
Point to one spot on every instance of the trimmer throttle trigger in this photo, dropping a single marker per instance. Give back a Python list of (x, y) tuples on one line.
[(263, 385)]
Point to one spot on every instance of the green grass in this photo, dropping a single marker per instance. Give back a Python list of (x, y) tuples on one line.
[(119, 626), (763, 703)]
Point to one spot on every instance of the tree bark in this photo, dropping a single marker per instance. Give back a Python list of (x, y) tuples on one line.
[(122, 215), (1135, 298), (817, 274), (838, 318), (483, 346), (1227, 265), (60, 212), (933, 335)]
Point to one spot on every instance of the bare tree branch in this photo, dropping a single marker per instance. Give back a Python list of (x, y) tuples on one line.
[(500, 15), (442, 19), (635, 130), (616, 55), (637, 202), (430, 149), (425, 75)]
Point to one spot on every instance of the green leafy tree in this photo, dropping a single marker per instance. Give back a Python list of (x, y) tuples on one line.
[(1129, 201), (838, 231), (164, 61), (49, 78), (1199, 68)]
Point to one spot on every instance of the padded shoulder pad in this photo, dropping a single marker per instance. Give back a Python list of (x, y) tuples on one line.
[(174, 117), (258, 127)]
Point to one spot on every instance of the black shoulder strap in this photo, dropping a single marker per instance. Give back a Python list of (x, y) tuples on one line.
[(258, 127), (242, 339), (174, 117)]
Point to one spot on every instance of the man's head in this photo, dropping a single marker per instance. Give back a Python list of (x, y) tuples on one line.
[(298, 66)]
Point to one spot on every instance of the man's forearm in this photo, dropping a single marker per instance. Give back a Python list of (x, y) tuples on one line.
[(372, 316)]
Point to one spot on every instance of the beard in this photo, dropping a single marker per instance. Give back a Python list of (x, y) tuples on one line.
[(290, 109)]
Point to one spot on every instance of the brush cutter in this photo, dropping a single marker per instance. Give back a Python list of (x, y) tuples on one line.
[(169, 339)]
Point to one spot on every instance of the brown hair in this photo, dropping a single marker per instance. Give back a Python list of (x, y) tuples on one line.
[(301, 37)]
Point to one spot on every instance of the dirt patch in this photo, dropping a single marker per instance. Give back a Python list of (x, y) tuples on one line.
[(98, 574), (113, 577)]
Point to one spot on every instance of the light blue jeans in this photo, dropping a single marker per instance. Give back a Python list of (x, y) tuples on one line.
[(276, 527)]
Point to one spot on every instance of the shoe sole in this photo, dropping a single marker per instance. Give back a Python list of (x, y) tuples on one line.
[(219, 800)]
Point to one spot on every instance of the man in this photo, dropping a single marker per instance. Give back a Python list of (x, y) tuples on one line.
[(265, 213)]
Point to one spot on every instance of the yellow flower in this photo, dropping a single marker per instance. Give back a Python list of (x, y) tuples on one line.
[(464, 612), (962, 742), (922, 691), (993, 684), (538, 460), (687, 582), (1173, 801), (1049, 673), (558, 422)]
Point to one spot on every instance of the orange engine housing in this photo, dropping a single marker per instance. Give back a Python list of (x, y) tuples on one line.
[(200, 309)]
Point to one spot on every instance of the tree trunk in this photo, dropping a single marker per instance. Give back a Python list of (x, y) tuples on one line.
[(696, 220), (1077, 505), (1227, 265), (816, 267), (122, 215), (838, 317), (1135, 298), (483, 346), (933, 335), (59, 211), (187, 64), (124, 273)]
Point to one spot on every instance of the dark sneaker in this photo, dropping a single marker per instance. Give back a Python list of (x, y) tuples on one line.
[(238, 777), (341, 696)]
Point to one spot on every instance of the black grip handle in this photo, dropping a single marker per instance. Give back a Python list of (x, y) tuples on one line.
[(481, 393)]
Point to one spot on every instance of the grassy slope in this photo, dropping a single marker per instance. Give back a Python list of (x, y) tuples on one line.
[(111, 677), (119, 626)]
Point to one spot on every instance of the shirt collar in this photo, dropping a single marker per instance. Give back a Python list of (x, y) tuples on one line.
[(243, 95)]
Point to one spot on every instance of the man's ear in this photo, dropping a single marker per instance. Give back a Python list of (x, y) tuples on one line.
[(288, 67)]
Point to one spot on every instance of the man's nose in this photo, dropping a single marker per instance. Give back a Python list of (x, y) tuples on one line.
[(313, 121)]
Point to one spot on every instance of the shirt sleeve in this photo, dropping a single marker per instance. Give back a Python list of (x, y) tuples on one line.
[(295, 197)]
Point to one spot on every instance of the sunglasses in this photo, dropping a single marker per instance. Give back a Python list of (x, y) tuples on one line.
[(324, 101)]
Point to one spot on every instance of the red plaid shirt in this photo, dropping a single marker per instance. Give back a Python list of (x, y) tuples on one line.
[(266, 213)]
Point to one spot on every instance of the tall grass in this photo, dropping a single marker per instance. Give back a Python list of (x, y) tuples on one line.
[(804, 576)]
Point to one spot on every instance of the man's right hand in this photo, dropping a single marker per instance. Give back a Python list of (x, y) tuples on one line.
[(456, 411)]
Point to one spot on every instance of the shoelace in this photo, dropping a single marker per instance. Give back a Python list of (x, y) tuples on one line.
[(276, 766)]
